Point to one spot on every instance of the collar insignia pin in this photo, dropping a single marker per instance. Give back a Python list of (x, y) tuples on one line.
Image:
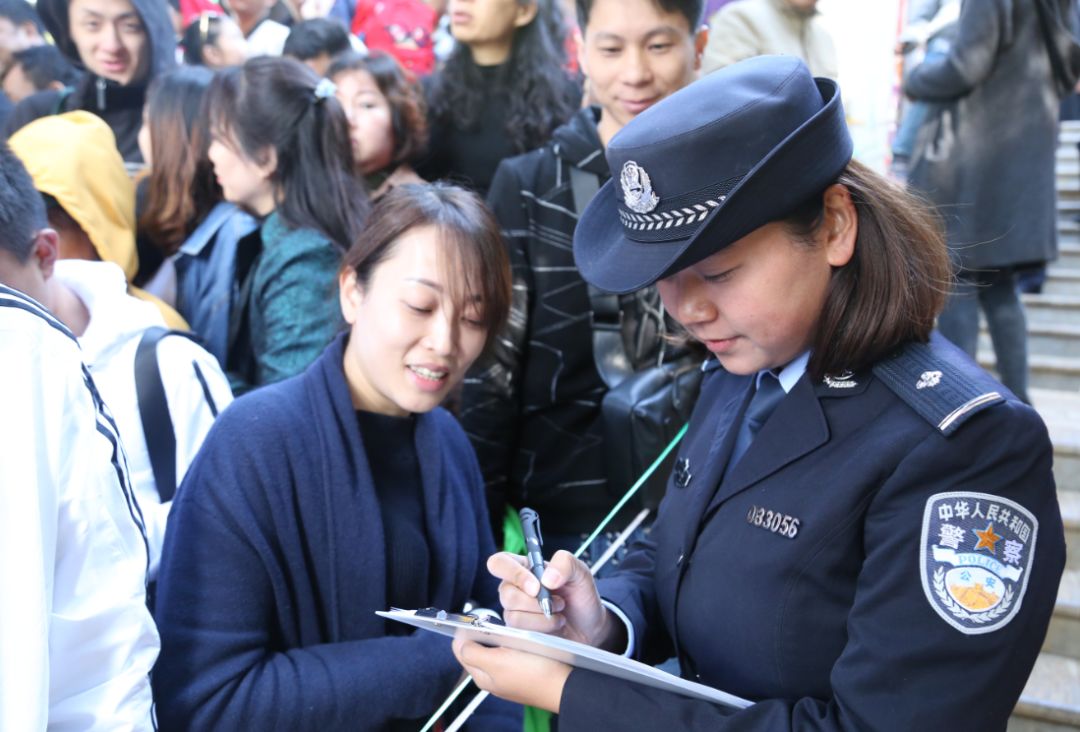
[(682, 472), (846, 380), (928, 380), (637, 188)]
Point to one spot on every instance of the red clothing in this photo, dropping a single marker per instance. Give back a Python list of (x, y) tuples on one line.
[(402, 28), (192, 9)]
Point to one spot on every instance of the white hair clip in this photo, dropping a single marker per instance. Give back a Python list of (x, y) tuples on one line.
[(325, 88)]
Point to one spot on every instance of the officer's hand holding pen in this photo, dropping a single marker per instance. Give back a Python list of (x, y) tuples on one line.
[(534, 550), (577, 613)]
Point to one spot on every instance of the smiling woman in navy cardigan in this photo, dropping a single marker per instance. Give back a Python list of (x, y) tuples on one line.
[(339, 492)]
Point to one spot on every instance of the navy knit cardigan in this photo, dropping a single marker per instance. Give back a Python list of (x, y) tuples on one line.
[(275, 562)]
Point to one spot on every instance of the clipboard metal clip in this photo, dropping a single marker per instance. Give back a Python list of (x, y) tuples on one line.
[(479, 618)]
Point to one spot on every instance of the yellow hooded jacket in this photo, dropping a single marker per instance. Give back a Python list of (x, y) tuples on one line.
[(73, 158)]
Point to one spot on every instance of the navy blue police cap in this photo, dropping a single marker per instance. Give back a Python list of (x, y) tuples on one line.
[(741, 147)]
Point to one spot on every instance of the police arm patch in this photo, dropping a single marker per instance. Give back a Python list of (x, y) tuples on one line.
[(975, 557)]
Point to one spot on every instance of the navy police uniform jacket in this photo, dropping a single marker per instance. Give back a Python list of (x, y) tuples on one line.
[(885, 556)]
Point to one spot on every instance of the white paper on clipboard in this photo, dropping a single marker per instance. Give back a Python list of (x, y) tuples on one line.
[(576, 654)]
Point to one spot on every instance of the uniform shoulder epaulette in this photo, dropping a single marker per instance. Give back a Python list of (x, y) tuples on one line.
[(939, 383)]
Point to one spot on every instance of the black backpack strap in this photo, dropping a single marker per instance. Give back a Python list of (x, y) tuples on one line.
[(154, 408), (609, 351)]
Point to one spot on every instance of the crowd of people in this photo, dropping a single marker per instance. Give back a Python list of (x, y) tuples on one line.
[(301, 302)]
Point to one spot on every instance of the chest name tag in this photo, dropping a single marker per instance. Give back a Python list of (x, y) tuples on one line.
[(976, 556), (778, 523)]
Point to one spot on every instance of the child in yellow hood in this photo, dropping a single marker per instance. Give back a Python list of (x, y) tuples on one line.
[(74, 162)]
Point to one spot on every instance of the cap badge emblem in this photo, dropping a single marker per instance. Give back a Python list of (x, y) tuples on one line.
[(637, 188)]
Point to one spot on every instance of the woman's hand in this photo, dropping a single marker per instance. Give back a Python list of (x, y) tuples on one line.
[(577, 613), (516, 676)]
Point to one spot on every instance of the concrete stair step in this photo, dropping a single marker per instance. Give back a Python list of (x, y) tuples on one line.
[(1045, 372), (1051, 700), (1068, 252), (1052, 339), (1058, 309), (1061, 413), (1063, 636), (1062, 280)]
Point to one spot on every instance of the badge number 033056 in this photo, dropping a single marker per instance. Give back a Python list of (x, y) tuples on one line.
[(778, 523)]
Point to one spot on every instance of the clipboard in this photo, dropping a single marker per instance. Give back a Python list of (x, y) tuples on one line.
[(570, 652)]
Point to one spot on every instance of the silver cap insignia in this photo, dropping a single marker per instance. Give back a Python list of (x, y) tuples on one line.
[(637, 188)]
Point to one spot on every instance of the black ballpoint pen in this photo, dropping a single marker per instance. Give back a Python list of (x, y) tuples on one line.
[(530, 526)]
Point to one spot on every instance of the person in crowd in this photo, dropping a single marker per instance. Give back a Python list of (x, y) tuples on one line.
[(264, 35), (214, 40), (746, 28), (75, 163), (35, 69), (998, 63), (316, 42), (338, 10), (123, 45), (402, 28), (387, 125), (78, 640), (179, 190), (502, 92), (533, 409), (280, 150), (928, 35), (91, 298), (279, 552), (855, 501), (20, 28)]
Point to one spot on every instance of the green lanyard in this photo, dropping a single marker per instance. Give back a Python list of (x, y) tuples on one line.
[(581, 550)]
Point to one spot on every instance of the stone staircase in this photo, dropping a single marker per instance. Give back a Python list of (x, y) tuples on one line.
[(1051, 700)]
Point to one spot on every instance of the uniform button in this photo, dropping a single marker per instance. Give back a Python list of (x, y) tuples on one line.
[(678, 562)]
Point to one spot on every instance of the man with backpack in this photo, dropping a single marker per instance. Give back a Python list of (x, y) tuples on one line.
[(162, 387), (533, 409)]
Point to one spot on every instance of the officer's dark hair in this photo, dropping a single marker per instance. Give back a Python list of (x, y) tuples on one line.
[(406, 101), (20, 12), (314, 37), (477, 261), (44, 65), (895, 284), (22, 213), (692, 10)]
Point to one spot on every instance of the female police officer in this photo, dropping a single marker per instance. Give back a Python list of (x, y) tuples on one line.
[(883, 551)]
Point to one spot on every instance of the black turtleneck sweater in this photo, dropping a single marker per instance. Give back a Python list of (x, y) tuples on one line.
[(470, 156), (395, 470)]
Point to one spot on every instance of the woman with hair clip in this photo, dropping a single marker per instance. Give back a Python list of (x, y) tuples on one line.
[(278, 551), (281, 151), (386, 118), (502, 92), (213, 40), (861, 531)]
